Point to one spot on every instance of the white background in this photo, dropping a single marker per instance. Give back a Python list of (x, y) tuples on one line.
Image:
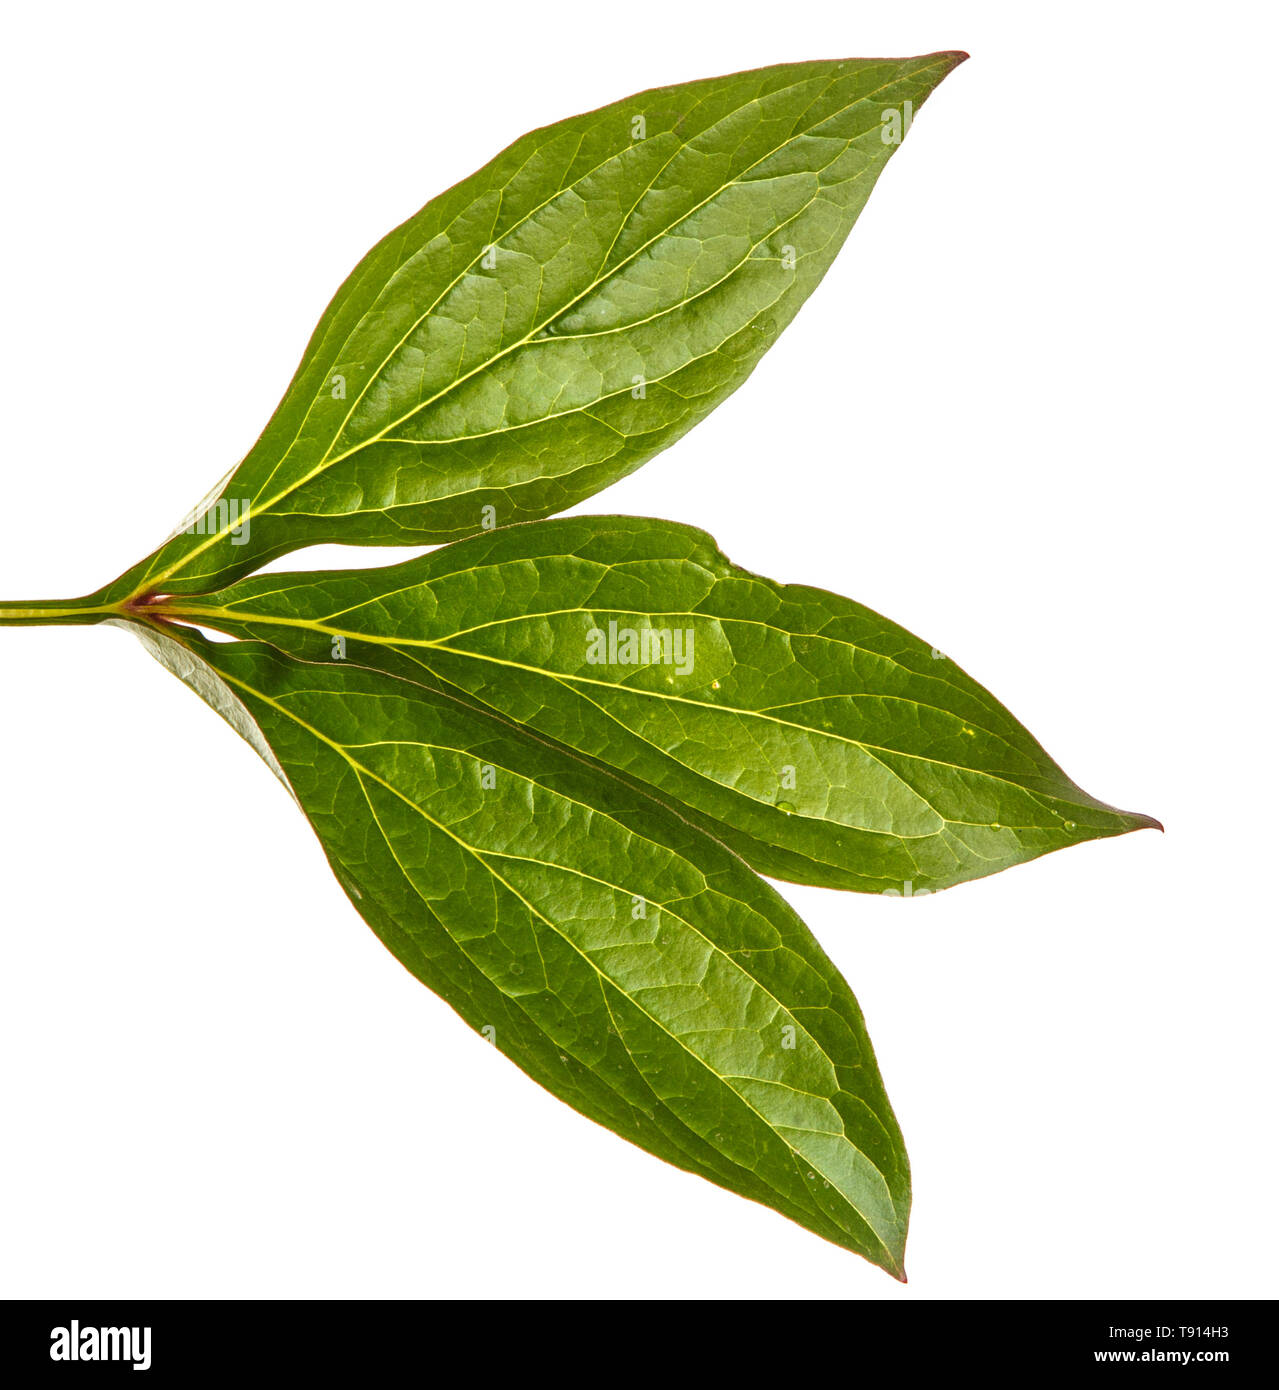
[(1023, 416)]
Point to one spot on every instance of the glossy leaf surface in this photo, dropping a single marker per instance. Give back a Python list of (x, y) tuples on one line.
[(626, 961), (551, 322), (821, 741)]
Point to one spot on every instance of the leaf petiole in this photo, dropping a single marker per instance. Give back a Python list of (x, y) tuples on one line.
[(47, 612)]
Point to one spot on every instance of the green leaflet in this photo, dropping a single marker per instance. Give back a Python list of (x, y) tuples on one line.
[(627, 962), (553, 321), (822, 742)]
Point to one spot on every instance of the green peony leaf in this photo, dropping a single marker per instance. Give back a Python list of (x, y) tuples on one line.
[(627, 962), (553, 321), (822, 742), (534, 756)]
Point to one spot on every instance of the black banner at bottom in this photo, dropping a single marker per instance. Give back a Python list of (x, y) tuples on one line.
[(176, 1340)]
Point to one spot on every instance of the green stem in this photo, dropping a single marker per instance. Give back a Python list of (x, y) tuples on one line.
[(45, 612)]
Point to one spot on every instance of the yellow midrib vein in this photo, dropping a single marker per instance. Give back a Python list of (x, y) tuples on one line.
[(195, 613)]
